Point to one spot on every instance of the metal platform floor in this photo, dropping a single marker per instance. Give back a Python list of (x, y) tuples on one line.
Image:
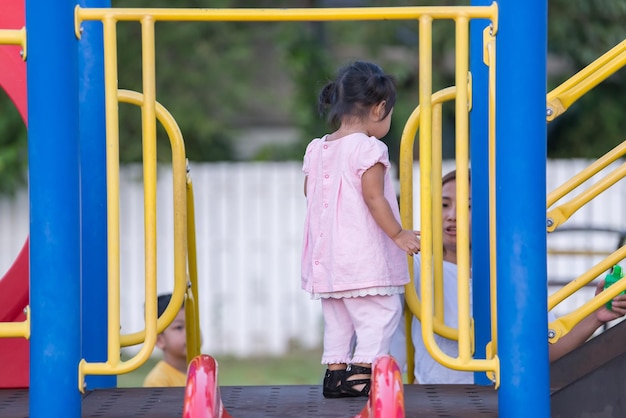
[(451, 401)]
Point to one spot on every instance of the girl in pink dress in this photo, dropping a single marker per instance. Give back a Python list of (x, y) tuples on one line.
[(354, 250)]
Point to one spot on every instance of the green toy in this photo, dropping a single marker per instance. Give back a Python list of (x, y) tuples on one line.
[(612, 278)]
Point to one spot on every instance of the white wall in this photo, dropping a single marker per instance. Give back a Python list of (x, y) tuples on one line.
[(249, 219)]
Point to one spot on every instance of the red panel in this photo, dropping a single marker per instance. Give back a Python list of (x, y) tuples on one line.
[(14, 352), (13, 74)]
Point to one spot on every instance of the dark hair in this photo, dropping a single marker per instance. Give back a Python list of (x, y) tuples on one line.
[(357, 87), (451, 176), (162, 302)]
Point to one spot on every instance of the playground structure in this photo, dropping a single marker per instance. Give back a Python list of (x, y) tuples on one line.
[(53, 385)]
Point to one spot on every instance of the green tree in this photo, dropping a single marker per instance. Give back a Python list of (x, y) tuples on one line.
[(582, 31), (218, 77), (13, 147)]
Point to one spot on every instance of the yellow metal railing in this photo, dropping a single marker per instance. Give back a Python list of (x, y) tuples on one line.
[(561, 213), (150, 114), (19, 329), (564, 324), (428, 117), (406, 208), (148, 18), (562, 97), (558, 101)]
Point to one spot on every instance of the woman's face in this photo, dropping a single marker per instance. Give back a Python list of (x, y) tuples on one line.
[(448, 213)]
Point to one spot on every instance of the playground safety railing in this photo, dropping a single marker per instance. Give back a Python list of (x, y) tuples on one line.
[(183, 193), (560, 214), (558, 101), (568, 93), (562, 97), (427, 117), (424, 15)]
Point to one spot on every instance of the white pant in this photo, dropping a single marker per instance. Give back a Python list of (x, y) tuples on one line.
[(365, 323)]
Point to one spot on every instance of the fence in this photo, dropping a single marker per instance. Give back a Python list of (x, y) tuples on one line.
[(249, 219)]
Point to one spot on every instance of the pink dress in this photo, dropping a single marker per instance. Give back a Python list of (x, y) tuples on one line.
[(344, 249)]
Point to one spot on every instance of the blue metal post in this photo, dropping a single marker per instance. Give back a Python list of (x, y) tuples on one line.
[(479, 140), (521, 209), (52, 74), (93, 196)]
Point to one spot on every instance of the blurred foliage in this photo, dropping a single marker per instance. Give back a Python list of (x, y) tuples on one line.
[(13, 147), (582, 31), (222, 79)]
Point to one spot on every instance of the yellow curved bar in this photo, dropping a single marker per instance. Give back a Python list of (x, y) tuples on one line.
[(406, 200), (180, 189)]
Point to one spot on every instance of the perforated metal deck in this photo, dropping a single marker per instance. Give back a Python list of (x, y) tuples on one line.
[(452, 401)]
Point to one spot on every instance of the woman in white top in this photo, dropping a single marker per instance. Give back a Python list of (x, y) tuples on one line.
[(428, 370)]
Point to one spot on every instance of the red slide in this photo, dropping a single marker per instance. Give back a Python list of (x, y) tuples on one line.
[(14, 352)]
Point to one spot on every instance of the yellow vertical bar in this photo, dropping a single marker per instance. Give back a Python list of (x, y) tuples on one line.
[(490, 52), (148, 120), (113, 186), (437, 214), (195, 340), (426, 175), (462, 184)]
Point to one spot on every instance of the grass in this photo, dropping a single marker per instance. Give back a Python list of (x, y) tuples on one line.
[(298, 367)]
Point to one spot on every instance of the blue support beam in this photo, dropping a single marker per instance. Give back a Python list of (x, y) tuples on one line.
[(93, 196), (521, 209), (479, 141), (53, 151)]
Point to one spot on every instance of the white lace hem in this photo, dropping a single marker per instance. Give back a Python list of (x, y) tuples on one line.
[(355, 293)]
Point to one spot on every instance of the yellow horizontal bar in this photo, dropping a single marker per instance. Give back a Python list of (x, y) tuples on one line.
[(295, 14), (14, 37), (16, 329)]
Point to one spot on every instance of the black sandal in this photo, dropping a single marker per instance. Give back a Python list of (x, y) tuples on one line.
[(332, 383), (347, 385)]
